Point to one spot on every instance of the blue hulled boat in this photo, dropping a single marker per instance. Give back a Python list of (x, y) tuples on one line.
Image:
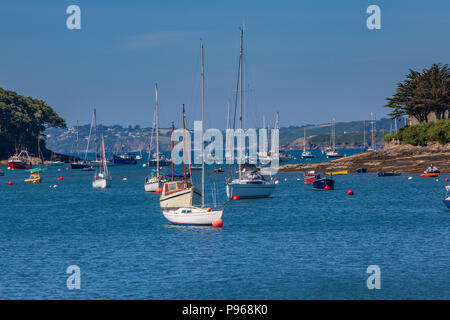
[(446, 201), (124, 158), (321, 183), (388, 174)]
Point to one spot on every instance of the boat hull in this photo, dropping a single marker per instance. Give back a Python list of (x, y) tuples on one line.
[(79, 165), (121, 161), (361, 170), (430, 175), (309, 178), (184, 198), (249, 191), (388, 174), (13, 165), (153, 184), (446, 202), (101, 183), (320, 184), (334, 173), (204, 218)]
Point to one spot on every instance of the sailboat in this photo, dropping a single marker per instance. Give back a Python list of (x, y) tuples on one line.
[(250, 183), (177, 194), (158, 159), (81, 164), (155, 181), (372, 122), (333, 153), (196, 215), (306, 154), (102, 179)]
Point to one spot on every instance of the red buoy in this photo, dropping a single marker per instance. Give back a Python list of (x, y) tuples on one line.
[(61, 178), (446, 179), (235, 197), (158, 190), (10, 182), (327, 187), (59, 169), (350, 192), (67, 168), (218, 223)]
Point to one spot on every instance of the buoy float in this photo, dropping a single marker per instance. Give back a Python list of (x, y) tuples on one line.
[(10, 182), (446, 179), (67, 168), (59, 169), (124, 179), (275, 178), (410, 178), (61, 178), (285, 179), (298, 179), (218, 223), (158, 190), (276, 181), (235, 197), (327, 187), (144, 165), (350, 192)]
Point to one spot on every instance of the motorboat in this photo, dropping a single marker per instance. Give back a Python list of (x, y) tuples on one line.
[(20, 160), (323, 184)]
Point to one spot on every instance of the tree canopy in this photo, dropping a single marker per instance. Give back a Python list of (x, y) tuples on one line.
[(422, 93), (22, 120)]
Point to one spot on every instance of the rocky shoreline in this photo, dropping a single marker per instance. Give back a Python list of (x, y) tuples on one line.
[(398, 158)]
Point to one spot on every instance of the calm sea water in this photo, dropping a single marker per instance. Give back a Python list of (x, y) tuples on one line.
[(298, 244)]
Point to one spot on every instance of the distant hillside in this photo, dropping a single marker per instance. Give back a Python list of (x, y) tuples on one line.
[(348, 134)]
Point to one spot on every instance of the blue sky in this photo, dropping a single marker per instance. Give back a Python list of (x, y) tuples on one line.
[(310, 60)]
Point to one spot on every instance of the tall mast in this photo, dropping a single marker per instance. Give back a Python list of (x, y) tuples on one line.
[(304, 139), (373, 144), (95, 132), (78, 148), (184, 146), (157, 130), (364, 134), (240, 95), (203, 120), (171, 154)]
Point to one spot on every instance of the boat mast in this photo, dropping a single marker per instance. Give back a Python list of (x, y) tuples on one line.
[(333, 132), (171, 154), (304, 139), (203, 120), (240, 96), (364, 134), (184, 147), (78, 147), (157, 130), (95, 133)]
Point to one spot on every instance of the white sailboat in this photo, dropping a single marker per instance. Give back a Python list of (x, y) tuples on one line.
[(306, 154), (372, 122), (196, 215), (333, 153), (250, 183), (102, 179), (155, 181)]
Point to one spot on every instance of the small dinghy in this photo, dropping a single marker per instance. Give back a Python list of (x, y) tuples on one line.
[(388, 174), (322, 183), (431, 172), (310, 177), (34, 178), (361, 170), (446, 201)]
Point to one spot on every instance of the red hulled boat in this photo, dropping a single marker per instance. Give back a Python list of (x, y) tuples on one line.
[(309, 177), (20, 161)]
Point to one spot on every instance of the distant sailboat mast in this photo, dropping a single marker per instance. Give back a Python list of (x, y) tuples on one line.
[(157, 130), (203, 120), (240, 94)]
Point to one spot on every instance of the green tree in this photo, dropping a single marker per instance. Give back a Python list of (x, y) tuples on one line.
[(422, 93), (22, 121)]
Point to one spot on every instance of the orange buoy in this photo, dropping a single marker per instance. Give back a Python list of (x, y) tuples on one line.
[(158, 190), (10, 182), (327, 187), (61, 178), (350, 192), (235, 197), (218, 223)]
